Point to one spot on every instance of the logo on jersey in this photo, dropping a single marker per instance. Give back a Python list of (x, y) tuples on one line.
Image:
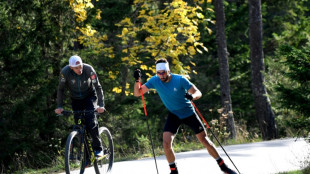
[(93, 77)]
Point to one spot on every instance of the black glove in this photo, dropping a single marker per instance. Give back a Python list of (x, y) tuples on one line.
[(137, 74), (189, 96)]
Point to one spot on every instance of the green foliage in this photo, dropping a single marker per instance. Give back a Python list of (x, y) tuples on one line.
[(239, 62), (294, 94), (32, 33), (144, 144), (288, 64), (286, 22), (207, 79)]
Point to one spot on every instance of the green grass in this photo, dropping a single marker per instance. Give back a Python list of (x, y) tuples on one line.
[(56, 169)]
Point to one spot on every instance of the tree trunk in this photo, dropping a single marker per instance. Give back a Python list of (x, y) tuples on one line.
[(224, 67), (264, 113)]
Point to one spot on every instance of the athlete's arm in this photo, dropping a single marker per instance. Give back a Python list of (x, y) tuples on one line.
[(60, 93), (60, 90), (95, 80), (137, 91), (195, 92)]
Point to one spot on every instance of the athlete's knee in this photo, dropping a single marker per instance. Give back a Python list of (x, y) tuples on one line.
[(167, 141), (167, 144), (201, 136), (91, 124), (209, 142), (91, 121)]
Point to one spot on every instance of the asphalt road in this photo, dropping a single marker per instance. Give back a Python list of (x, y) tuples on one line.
[(268, 157)]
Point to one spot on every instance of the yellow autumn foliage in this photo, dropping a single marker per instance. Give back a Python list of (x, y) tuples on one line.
[(170, 33), (117, 89), (88, 36), (143, 67)]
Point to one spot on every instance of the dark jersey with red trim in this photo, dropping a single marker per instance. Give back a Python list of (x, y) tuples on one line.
[(80, 86)]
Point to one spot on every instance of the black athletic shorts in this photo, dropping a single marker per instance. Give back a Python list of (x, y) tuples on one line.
[(173, 123)]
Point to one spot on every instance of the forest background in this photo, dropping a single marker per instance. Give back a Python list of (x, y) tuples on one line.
[(38, 37)]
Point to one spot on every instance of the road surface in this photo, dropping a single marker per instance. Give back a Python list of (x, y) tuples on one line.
[(268, 157)]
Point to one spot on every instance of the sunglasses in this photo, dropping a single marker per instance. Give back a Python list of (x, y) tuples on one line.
[(162, 73)]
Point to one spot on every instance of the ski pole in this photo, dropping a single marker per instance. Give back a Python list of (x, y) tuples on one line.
[(147, 122), (214, 135)]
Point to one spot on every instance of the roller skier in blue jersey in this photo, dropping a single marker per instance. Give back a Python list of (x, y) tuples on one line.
[(176, 92)]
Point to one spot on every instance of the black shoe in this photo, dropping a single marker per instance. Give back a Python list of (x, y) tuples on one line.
[(173, 168), (224, 167), (229, 171), (174, 172)]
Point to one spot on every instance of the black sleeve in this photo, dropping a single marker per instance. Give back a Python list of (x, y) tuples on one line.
[(97, 85)]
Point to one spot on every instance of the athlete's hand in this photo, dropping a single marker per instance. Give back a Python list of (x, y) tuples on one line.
[(100, 110), (137, 74), (189, 96), (58, 111)]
